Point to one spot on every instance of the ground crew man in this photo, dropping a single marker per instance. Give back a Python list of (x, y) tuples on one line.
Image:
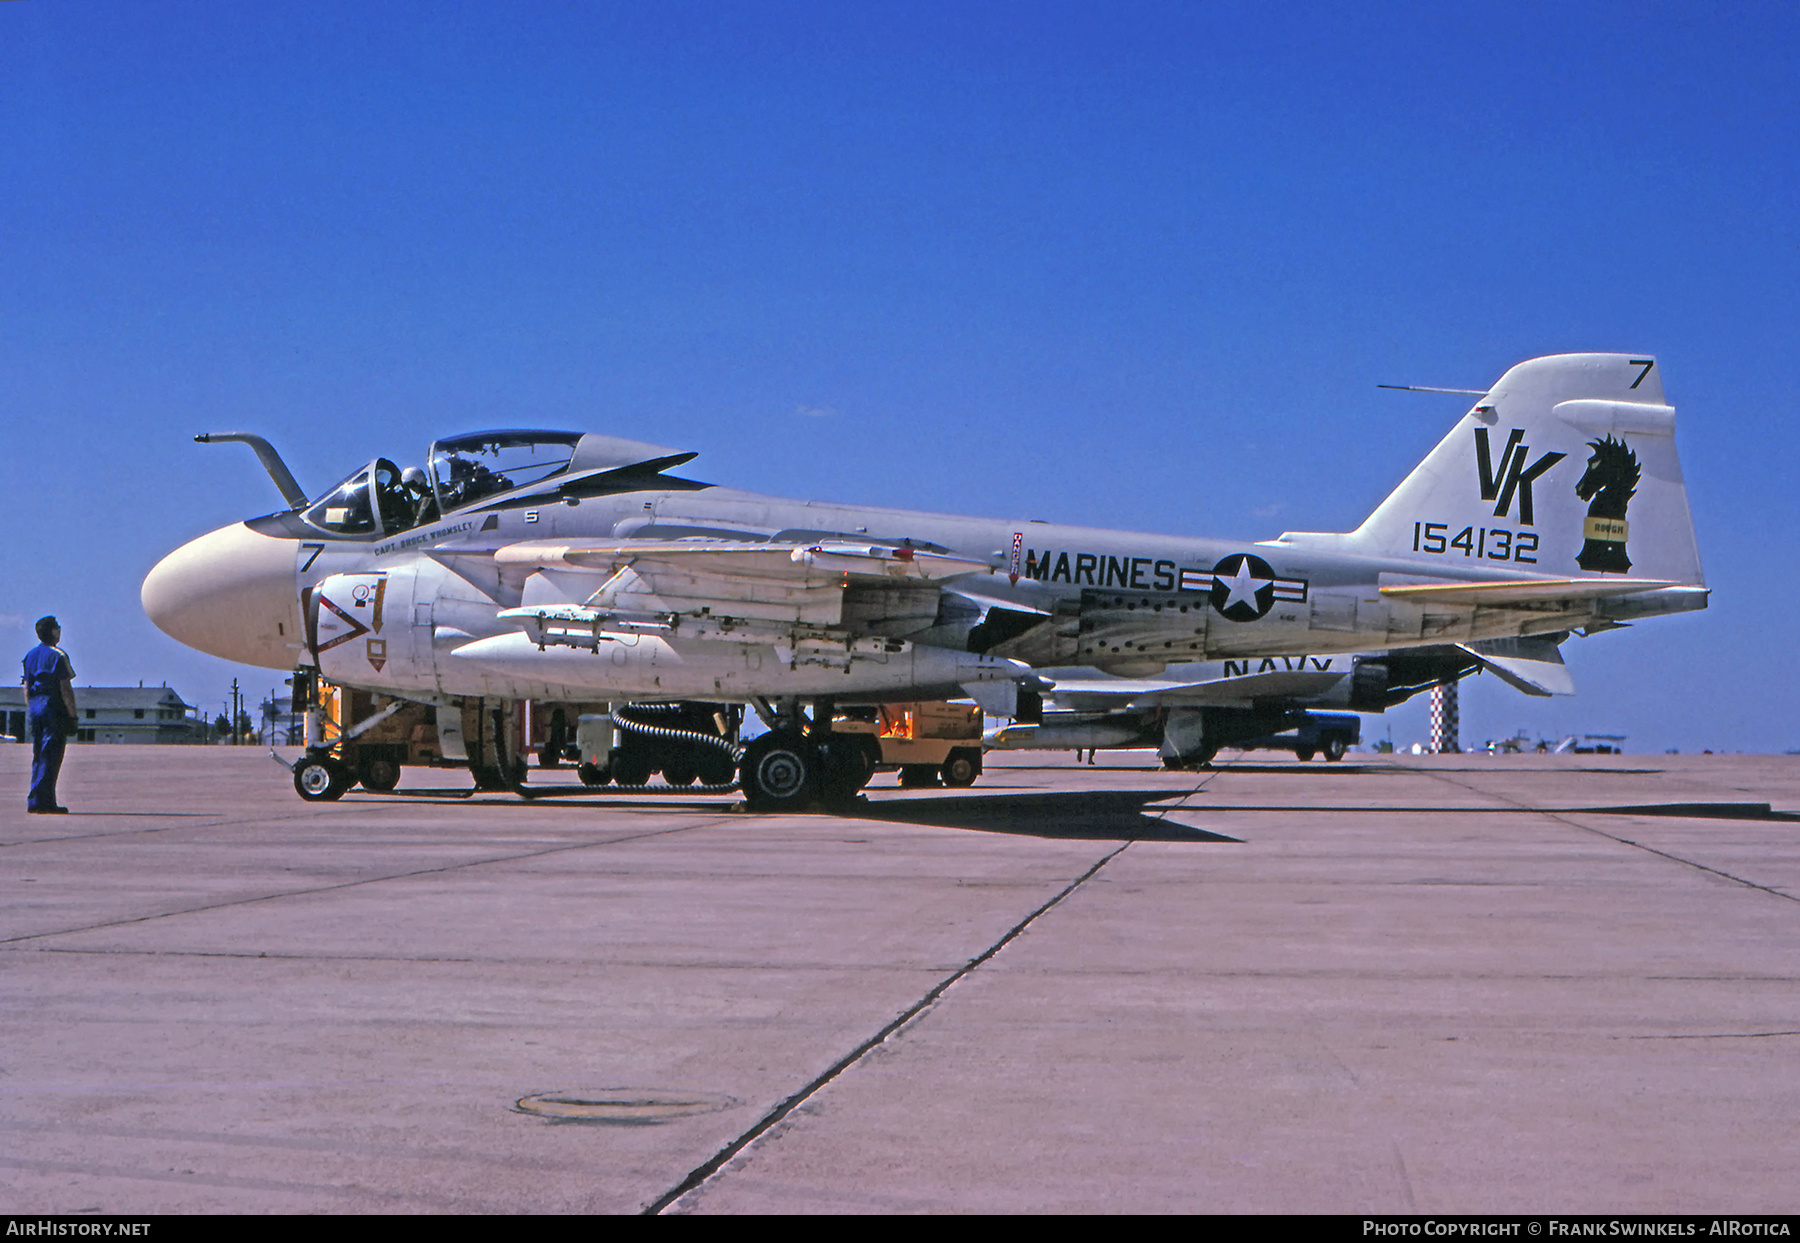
[(50, 705)]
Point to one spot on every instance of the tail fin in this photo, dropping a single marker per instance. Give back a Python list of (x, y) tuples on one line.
[(1567, 467)]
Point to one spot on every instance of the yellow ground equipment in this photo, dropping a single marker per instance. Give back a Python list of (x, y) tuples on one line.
[(928, 741)]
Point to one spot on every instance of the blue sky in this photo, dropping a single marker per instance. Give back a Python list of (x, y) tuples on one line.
[(1133, 265)]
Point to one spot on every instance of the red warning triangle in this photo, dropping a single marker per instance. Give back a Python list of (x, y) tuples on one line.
[(356, 628)]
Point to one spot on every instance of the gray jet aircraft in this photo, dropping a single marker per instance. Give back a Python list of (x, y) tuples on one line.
[(571, 568)]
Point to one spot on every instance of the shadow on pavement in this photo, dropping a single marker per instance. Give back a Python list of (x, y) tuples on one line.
[(1076, 815), (1696, 811), (1680, 811)]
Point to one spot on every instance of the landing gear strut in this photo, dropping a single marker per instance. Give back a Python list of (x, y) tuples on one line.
[(489, 729)]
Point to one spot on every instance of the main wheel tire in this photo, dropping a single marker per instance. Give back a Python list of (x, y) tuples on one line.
[(780, 772), (871, 759), (845, 770), (380, 775), (487, 777), (961, 767), (918, 776), (679, 773), (549, 756), (1303, 754), (593, 774), (320, 780), (1335, 746)]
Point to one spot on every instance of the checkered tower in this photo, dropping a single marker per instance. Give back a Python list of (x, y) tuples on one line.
[(1444, 724)]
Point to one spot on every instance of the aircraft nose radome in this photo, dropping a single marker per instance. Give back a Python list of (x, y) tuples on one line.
[(230, 594)]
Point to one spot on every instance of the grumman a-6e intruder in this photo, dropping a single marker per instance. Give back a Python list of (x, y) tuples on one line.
[(579, 570)]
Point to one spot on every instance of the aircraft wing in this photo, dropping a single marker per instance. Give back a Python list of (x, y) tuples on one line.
[(1101, 694), (798, 563), (727, 589)]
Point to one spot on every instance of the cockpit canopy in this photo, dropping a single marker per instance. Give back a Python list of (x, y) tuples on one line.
[(371, 501), (468, 470)]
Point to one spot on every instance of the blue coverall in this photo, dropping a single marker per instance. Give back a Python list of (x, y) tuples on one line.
[(46, 668)]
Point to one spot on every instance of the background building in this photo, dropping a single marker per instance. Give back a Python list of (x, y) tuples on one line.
[(115, 714)]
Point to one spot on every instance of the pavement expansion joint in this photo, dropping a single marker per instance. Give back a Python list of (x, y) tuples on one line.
[(774, 1118), (1744, 811), (1711, 1036), (700, 1174)]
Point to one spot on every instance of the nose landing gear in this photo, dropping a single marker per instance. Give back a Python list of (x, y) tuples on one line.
[(321, 779)]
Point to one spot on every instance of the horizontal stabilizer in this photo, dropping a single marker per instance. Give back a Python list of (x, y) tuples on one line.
[(1532, 666), (1515, 591)]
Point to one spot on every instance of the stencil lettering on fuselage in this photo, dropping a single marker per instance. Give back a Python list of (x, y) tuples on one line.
[(1241, 587)]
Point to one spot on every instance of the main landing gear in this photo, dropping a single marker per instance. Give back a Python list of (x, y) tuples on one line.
[(799, 763)]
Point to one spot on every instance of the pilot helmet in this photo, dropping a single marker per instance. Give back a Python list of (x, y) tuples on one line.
[(414, 478)]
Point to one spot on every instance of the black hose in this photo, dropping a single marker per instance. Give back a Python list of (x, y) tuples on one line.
[(678, 735)]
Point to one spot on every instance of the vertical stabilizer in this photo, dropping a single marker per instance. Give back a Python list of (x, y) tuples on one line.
[(1566, 467)]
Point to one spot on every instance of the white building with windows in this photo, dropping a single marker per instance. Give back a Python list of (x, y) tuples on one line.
[(114, 714)]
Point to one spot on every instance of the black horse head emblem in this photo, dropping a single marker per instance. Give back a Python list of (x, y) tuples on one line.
[(1610, 483)]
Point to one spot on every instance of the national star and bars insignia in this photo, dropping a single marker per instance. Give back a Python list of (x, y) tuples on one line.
[(1243, 587)]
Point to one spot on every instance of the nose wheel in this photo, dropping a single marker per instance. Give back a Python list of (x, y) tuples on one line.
[(319, 779)]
